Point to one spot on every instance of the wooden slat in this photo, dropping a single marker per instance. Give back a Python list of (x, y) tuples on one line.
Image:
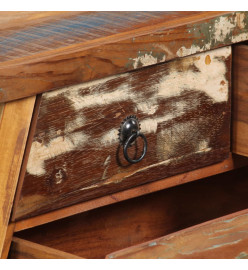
[(240, 100), (233, 162), (63, 51), (223, 238), (14, 129), (8, 239), (22, 249)]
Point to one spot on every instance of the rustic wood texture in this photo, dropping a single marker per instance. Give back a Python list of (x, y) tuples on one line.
[(240, 100), (233, 162), (223, 238), (184, 111), (14, 127), (96, 233), (62, 49), (22, 249), (8, 239)]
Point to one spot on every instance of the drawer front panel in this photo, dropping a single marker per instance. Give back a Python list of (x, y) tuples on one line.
[(184, 111)]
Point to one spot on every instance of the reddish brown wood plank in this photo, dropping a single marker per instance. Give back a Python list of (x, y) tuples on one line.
[(96, 233), (223, 238), (240, 100), (184, 111), (23, 249), (233, 162), (36, 58)]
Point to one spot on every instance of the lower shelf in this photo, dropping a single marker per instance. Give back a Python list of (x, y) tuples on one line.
[(103, 231)]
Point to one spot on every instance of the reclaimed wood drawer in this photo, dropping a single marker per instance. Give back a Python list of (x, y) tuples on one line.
[(165, 213), (183, 107)]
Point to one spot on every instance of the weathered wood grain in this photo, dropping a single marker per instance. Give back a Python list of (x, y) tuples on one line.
[(65, 51), (224, 238), (96, 233), (184, 111), (233, 162), (23, 249), (240, 100), (14, 127)]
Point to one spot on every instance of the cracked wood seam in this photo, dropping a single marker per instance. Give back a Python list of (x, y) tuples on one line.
[(184, 111), (44, 60), (14, 127)]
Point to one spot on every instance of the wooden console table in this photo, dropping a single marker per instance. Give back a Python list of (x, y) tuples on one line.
[(81, 96)]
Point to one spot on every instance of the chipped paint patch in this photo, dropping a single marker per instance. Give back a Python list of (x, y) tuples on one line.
[(207, 79), (39, 152), (222, 30), (147, 107), (203, 146), (183, 51), (146, 60), (59, 177)]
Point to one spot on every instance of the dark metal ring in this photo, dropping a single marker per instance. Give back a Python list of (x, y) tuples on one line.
[(130, 140)]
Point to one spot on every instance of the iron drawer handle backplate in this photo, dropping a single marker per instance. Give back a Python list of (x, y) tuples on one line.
[(128, 133)]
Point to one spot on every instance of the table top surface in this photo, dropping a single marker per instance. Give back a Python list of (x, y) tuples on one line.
[(42, 51)]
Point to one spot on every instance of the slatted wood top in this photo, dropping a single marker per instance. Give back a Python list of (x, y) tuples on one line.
[(42, 51), (24, 34)]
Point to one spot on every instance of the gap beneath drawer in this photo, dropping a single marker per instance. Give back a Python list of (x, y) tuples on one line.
[(98, 232)]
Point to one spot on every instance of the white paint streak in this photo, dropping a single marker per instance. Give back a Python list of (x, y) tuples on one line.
[(110, 137), (106, 165), (150, 125), (40, 153), (121, 93), (107, 161), (92, 84)]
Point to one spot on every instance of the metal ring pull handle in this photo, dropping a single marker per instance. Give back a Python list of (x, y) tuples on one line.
[(128, 133), (129, 141)]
